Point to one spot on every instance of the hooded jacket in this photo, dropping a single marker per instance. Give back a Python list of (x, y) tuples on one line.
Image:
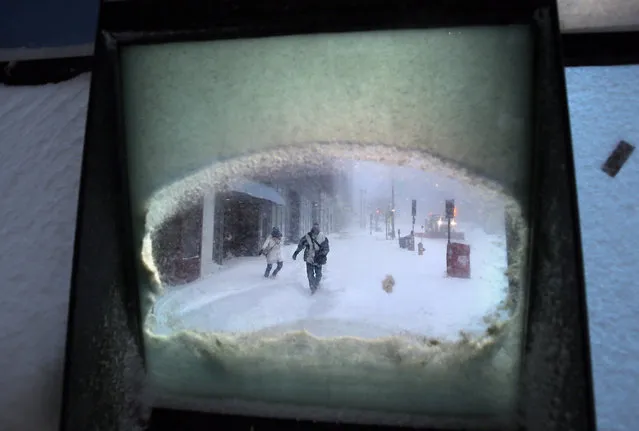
[(316, 248)]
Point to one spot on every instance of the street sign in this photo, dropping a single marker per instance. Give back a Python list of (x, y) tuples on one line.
[(450, 208)]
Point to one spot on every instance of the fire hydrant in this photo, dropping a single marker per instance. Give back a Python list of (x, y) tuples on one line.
[(420, 249)]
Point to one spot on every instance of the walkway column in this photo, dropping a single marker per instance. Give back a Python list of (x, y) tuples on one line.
[(207, 264)]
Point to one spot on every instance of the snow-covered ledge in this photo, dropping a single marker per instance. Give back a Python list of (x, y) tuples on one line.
[(41, 139)]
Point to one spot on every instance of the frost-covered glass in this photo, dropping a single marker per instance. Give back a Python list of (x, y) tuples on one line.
[(289, 207)]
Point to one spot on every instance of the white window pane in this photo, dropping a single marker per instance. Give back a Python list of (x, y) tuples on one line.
[(603, 15)]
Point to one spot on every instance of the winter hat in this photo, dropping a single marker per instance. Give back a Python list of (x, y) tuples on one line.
[(315, 228), (275, 233)]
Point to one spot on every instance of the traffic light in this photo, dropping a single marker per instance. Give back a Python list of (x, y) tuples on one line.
[(450, 208)]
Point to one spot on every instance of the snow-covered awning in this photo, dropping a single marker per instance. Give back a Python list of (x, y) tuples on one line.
[(257, 190)]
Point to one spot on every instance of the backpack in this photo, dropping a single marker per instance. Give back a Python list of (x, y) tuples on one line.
[(320, 257)]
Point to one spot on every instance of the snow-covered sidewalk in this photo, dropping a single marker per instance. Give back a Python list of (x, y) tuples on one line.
[(350, 301)]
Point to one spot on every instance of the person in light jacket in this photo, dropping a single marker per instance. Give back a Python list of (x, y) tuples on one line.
[(316, 248), (272, 250)]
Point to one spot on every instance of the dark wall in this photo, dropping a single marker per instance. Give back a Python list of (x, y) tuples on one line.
[(177, 247), (242, 221)]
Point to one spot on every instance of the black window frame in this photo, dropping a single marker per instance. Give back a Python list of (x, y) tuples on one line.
[(105, 355), (610, 48), (583, 49)]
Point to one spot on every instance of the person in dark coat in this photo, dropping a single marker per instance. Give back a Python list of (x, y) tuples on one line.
[(316, 248)]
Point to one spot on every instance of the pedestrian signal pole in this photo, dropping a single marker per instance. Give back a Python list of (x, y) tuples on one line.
[(393, 208), (371, 223), (450, 213), (414, 213)]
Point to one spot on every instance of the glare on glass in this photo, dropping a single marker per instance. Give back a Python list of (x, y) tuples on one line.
[(290, 208)]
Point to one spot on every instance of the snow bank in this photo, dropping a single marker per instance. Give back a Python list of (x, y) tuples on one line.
[(401, 373), (352, 301)]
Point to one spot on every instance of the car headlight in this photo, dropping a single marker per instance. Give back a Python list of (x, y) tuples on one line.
[(453, 223)]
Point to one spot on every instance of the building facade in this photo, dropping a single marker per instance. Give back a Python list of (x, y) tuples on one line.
[(225, 225)]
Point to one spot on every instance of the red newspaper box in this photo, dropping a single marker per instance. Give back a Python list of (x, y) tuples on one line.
[(458, 260)]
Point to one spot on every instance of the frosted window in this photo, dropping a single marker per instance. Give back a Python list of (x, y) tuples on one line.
[(342, 130)]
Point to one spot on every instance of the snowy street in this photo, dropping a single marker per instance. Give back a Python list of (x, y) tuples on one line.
[(350, 301)]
